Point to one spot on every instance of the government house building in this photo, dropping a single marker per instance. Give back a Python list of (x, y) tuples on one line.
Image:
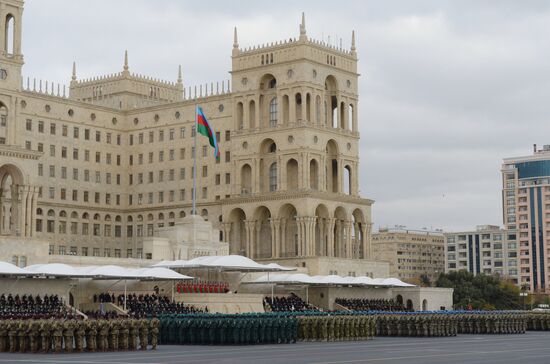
[(104, 166)]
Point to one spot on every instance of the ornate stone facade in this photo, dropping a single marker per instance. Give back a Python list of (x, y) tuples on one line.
[(98, 168)]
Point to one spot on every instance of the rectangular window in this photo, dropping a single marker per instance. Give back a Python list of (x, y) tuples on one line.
[(87, 134), (182, 153), (63, 152), (151, 155), (63, 193), (161, 176), (28, 145), (28, 125), (40, 147), (40, 169), (227, 135), (161, 156), (171, 154), (75, 154), (109, 136), (85, 196), (85, 228), (75, 132), (98, 136), (218, 179), (64, 130), (41, 127), (98, 157), (52, 150), (86, 175), (84, 251), (227, 178), (171, 174), (227, 156), (52, 171), (75, 174), (172, 133), (182, 173), (86, 155), (75, 195), (151, 137), (205, 171), (182, 132), (161, 135), (52, 128)]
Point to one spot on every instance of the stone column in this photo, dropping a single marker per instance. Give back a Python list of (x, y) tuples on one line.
[(247, 238), (15, 210), (257, 113), (322, 242), (250, 239), (273, 237), (1, 209), (256, 176), (355, 113), (366, 237), (323, 173), (357, 241), (338, 113), (292, 107), (17, 32), (348, 244), (256, 241), (302, 244), (246, 116), (280, 172), (29, 211), (34, 205), (282, 246), (304, 109), (330, 236), (313, 242)]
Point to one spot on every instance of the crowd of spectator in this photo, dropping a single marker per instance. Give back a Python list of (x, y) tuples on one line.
[(198, 286), (28, 305), (290, 303), (147, 304), (363, 304)]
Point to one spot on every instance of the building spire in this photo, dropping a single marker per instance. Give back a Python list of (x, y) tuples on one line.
[(180, 80), (74, 72), (235, 39), (126, 61), (303, 34), (353, 50)]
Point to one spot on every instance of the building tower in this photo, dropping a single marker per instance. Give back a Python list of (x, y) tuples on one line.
[(525, 192), (296, 136)]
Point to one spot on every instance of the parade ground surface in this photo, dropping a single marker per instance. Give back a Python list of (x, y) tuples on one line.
[(531, 347)]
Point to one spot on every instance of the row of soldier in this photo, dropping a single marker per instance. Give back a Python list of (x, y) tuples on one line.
[(223, 329), (538, 321), (70, 334), (336, 328)]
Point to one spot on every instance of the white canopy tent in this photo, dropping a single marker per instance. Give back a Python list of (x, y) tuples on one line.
[(8, 269), (223, 263), (330, 280)]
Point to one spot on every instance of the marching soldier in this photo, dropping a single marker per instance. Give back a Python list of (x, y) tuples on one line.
[(133, 334), (123, 333), (143, 332), (34, 335), (57, 333), (45, 335), (79, 334), (3, 336), (68, 333), (91, 335)]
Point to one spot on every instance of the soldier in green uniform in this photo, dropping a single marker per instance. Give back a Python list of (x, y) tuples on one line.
[(154, 332), (143, 332)]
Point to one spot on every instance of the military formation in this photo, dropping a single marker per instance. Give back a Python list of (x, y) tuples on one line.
[(75, 334), (450, 323), (339, 327), (222, 329), (538, 321)]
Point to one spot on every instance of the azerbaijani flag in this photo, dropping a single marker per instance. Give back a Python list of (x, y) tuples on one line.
[(204, 128)]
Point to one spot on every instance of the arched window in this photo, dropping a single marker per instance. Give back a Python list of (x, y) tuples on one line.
[(182, 214), (15, 260), (273, 112), (172, 215), (9, 32), (273, 177)]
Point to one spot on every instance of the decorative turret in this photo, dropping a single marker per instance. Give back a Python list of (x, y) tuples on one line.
[(353, 50), (126, 68), (303, 34), (180, 79), (235, 42), (73, 78)]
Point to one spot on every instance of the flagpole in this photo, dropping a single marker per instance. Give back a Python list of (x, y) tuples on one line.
[(194, 211)]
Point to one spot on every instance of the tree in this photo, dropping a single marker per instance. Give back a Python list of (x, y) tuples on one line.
[(483, 291)]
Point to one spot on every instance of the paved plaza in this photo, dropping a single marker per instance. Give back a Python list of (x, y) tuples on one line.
[(532, 348)]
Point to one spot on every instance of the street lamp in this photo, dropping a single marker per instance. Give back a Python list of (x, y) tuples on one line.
[(523, 294)]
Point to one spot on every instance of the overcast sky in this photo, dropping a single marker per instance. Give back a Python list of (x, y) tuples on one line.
[(447, 88)]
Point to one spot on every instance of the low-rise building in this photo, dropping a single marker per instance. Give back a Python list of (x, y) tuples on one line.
[(411, 253), (487, 249)]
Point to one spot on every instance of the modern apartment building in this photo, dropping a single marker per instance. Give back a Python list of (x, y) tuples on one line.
[(411, 253), (526, 208), (488, 249)]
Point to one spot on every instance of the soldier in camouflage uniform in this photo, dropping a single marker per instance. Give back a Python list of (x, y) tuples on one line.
[(123, 332), (79, 334), (3, 336), (154, 332), (103, 333), (12, 334), (57, 334), (45, 335), (34, 335), (68, 334), (114, 330), (133, 334), (91, 335), (22, 335), (143, 332)]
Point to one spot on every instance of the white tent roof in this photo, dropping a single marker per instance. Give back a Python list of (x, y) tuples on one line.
[(331, 280), (11, 269), (54, 270), (225, 262), (93, 272)]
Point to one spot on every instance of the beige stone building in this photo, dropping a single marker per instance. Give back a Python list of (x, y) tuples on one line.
[(411, 253), (104, 165)]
